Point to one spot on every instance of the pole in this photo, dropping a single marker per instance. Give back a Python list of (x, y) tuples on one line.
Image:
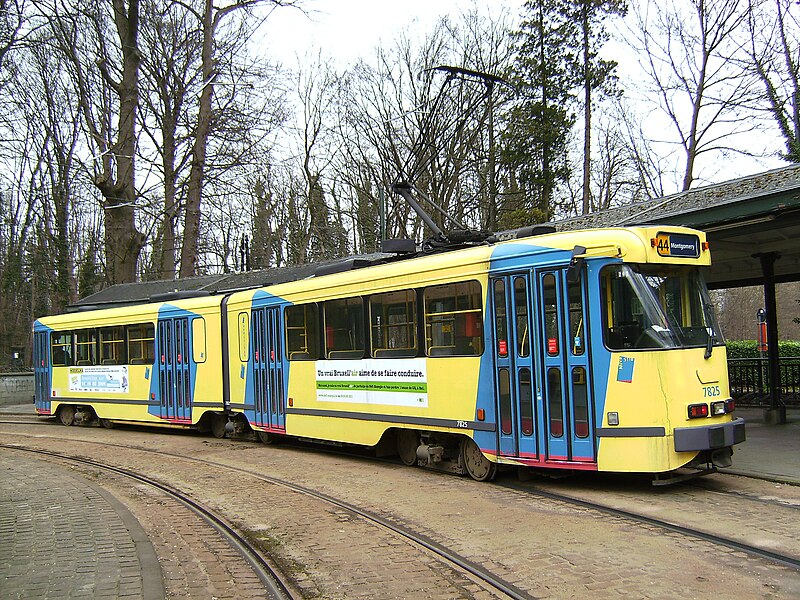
[(776, 413)]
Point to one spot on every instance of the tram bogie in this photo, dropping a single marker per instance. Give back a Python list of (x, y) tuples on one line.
[(588, 350)]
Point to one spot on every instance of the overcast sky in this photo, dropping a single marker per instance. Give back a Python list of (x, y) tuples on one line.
[(346, 30), (349, 29)]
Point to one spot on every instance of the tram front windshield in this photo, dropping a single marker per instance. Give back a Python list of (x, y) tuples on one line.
[(657, 306)]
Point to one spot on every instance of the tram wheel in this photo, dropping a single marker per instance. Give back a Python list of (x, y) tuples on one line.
[(107, 423), (265, 437), (407, 443), (66, 414), (218, 423), (478, 466)]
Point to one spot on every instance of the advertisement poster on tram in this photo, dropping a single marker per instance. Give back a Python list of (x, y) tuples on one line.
[(109, 379), (373, 381)]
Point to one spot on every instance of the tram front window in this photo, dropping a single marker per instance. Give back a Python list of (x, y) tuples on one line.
[(657, 306)]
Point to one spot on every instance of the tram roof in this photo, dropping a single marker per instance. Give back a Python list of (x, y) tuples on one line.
[(742, 217), (124, 294)]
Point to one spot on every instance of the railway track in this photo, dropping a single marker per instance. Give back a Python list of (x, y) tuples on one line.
[(478, 571), (447, 556), (23, 422), (759, 552), (269, 576)]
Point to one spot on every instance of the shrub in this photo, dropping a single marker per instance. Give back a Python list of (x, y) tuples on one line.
[(749, 348)]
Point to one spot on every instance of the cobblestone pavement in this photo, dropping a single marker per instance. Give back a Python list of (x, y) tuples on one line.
[(62, 536), (549, 549)]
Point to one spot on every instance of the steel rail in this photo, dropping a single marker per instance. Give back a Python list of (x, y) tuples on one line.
[(260, 565), (776, 557), (476, 570), (442, 552)]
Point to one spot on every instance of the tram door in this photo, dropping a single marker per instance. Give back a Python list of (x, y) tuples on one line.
[(514, 370), (564, 396), (268, 369), (41, 371), (174, 369)]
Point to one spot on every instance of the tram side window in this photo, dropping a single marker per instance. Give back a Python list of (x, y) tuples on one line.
[(576, 325), (61, 348), (199, 340), (302, 341), (550, 298), (453, 319), (86, 347), (624, 311), (344, 328), (393, 323), (141, 344), (112, 346)]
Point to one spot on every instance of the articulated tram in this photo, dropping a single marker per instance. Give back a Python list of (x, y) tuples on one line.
[(582, 350)]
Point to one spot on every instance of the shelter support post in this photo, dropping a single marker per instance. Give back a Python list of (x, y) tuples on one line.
[(776, 413)]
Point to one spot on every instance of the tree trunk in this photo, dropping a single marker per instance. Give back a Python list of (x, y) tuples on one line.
[(587, 113), (194, 194), (123, 241)]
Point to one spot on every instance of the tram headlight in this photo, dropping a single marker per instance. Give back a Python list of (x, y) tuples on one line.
[(718, 408), (698, 410)]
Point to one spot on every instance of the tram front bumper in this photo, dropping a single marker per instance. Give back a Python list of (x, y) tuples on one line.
[(709, 437)]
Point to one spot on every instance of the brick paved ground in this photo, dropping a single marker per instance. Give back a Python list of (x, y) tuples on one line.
[(545, 548), (62, 536)]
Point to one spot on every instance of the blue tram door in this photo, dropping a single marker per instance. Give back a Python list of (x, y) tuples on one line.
[(41, 371), (564, 396), (268, 384), (514, 370), (174, 369)]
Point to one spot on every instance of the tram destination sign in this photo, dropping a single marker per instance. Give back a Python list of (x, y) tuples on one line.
[(678, 245)]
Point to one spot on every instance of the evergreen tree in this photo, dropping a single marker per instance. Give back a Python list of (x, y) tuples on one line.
[(591, 72), (540, 118)]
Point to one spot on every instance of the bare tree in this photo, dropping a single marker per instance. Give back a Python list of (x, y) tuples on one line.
[(210, 19), (774, 28), (414, 113), (101, 48), (688, 54), (170, 72)]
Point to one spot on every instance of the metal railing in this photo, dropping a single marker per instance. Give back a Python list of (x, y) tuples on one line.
[(750, 381)]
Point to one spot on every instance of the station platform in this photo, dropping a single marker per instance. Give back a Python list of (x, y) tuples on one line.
[(770, 452)]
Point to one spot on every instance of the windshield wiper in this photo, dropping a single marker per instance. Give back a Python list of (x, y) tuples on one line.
[(709, 345)]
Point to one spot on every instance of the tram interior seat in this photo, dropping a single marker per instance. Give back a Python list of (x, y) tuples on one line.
[(140, 361), (346, 354), (83, 363), (109, 361), (299, 356), (394, 353), (441, 351)]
